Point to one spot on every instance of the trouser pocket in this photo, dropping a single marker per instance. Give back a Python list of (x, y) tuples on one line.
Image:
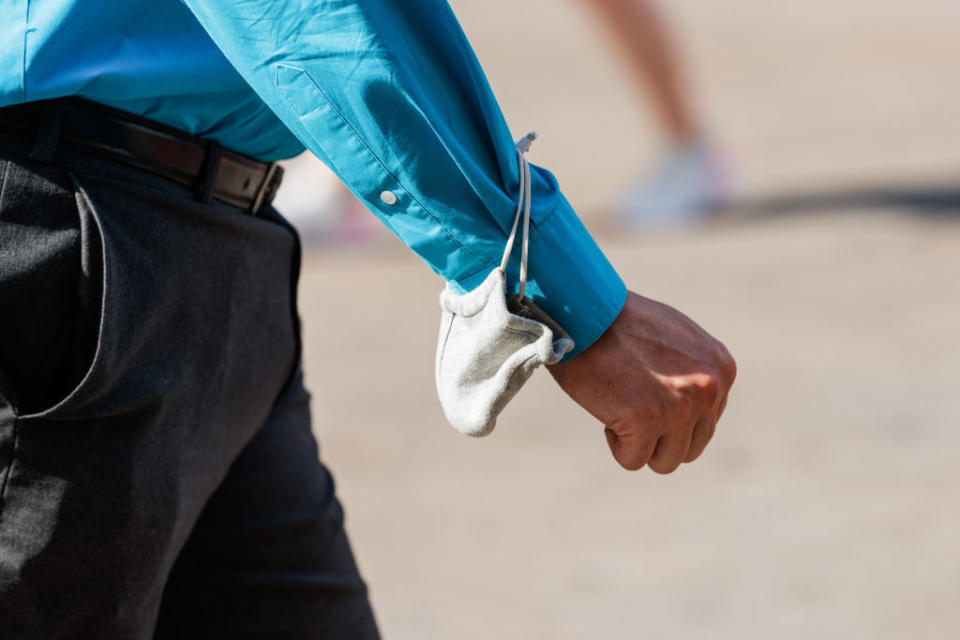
[(52, 290), (172, 302)]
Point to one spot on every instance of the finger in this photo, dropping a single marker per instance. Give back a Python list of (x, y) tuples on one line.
[(631, 450), (670, 451), (702, 433), (723, 405)]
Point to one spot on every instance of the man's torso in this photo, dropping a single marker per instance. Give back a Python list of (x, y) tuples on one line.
[(149, 57)]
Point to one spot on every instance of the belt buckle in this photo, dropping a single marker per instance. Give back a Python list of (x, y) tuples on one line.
[(268, 188)]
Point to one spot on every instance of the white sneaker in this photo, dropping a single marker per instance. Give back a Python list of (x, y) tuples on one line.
[(688, 186)]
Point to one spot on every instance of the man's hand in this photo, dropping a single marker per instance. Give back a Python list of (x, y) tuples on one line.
[(656, 380)]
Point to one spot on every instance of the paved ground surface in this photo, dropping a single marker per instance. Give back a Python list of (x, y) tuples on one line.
[(827, 506)]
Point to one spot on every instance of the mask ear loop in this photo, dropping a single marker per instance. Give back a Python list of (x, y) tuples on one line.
[(523, 205)]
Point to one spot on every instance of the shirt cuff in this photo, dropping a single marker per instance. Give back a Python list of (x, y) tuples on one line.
[(569, 277)]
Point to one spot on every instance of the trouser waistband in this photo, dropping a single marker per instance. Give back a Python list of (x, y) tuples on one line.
[(198, 163)]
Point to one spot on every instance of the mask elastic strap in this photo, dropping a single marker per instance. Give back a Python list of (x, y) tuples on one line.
[(523, 205)]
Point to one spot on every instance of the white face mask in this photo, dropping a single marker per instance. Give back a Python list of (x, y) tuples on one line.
[(489, 346)]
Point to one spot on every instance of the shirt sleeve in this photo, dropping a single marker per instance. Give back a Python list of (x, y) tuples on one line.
[(390, 95)]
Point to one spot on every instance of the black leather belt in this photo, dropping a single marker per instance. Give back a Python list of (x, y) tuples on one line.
[(203, 165)]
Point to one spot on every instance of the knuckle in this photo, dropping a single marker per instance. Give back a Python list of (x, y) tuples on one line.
[(711, 386), (728, 366), (664, 467), (707, 387)]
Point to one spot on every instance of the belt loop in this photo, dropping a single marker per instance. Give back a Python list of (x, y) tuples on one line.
[(211, 165), (48, 131), (268, 188)]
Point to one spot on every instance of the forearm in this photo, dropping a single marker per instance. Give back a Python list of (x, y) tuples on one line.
[(390, 95)]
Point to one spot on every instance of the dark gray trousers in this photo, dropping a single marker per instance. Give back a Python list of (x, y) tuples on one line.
[(158, 474)]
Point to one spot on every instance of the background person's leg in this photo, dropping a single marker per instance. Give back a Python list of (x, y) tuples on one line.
[(640, 33), (269, 556), (690, 179)]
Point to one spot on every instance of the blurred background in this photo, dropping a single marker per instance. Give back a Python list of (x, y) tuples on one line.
[(821, 244)]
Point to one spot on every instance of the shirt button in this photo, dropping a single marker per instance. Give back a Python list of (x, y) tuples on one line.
[(388, 197)]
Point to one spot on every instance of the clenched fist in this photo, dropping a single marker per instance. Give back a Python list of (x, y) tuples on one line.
[(656, 380)]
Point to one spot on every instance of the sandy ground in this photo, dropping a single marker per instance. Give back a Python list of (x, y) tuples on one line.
[(827, 506)]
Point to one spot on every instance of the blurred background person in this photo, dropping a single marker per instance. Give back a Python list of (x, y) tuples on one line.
[(689, 181), (326, 214)]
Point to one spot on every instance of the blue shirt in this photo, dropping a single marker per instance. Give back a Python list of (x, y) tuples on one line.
[(388, 93)]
